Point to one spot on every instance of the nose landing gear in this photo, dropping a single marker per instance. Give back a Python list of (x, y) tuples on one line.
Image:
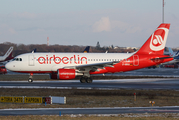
[(30, 78)]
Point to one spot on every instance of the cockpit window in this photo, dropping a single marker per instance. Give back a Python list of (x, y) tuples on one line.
[(17, 59)]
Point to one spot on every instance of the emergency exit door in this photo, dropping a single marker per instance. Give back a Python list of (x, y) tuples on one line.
[(136, 60)]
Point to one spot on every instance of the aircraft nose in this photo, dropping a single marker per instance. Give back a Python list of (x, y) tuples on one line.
[(9, 66)]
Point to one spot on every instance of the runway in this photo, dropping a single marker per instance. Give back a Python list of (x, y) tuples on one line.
[(150, 83), (69, 111)]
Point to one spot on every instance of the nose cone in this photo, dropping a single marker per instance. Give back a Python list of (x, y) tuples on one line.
[(9, 66)]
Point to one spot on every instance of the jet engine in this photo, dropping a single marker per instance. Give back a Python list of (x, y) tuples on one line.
[(64, 74)]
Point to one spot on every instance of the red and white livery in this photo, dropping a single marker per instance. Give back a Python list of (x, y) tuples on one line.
[(65, 66)]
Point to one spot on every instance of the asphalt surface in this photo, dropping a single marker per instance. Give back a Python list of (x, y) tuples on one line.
[(150, 83), (69, 111)]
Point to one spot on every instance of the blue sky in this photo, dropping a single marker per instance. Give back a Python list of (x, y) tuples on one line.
[(82, 22)]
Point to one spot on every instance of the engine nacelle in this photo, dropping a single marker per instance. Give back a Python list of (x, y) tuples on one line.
[(66, 74)]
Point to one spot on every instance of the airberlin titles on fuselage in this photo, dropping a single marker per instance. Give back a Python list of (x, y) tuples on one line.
[(65, 60)]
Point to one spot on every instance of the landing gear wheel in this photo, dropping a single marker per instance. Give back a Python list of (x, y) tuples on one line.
[(82, 80), (89, 80), (30, 80)]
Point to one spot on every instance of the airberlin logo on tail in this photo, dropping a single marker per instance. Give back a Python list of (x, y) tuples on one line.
[(158, 39)]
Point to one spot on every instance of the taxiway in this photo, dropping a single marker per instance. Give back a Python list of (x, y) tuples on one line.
[(150, 83)]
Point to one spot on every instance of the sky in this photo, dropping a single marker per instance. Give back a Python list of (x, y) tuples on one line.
[(123, 23)]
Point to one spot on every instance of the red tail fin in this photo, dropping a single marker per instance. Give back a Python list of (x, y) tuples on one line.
[(156, 42)]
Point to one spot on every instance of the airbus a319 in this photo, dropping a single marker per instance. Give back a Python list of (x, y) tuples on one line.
[(66, 66)]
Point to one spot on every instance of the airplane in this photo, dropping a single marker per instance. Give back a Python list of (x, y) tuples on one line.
[(171, 52), (7, 56), (86, 50), (175, 57), (66, 66), (3, 70), (34, 50), (4, 59)]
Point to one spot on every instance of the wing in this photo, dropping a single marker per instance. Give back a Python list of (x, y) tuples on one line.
[(92, 67)]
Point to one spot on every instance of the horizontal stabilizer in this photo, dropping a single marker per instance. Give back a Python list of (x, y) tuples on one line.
[(160, 58)]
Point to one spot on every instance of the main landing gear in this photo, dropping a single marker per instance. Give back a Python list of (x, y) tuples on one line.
[(86, 79), (30, 78)]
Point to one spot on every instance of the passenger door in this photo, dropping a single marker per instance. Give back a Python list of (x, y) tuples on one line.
[(31, 60)]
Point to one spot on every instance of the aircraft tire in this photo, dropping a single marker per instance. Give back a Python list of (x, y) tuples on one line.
[(30, 80), (89, 80), (82, 80)]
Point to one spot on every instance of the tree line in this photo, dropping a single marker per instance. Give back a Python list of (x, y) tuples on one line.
[(22, 48)]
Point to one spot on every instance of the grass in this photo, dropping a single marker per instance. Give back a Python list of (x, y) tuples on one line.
[(92, 98), (95, 98), (88, 117)]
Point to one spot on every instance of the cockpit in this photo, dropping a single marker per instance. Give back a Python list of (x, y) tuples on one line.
[(17, 59)]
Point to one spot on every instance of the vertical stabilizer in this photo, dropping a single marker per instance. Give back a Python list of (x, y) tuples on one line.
[(171, 52), (8, 55), (156, 42)]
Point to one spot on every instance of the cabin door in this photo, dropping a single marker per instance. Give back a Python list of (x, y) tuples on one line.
[(31, 60)]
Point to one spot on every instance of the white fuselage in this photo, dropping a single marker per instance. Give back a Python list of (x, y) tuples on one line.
[(54, 61)]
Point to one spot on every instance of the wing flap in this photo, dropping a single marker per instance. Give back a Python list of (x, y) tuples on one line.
[(93, 67)]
